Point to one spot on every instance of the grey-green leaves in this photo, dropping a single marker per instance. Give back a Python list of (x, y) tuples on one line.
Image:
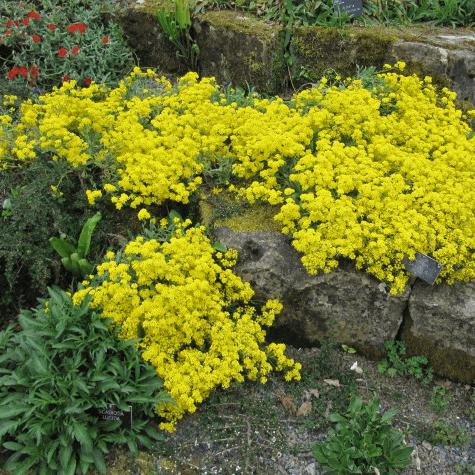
[(363, 441)]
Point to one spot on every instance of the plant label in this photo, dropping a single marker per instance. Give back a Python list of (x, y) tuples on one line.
[(351, 7), (112, 413), (423, 267)]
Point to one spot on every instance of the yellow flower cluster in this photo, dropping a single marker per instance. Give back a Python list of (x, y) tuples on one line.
[(193, 314), (370, 174)]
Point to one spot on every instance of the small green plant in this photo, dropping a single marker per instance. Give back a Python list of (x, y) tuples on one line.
[(439, 399), (74, 260), (363, 441), (443, 433), (176, 23), (65, 362), (465, 468), (394, 364)]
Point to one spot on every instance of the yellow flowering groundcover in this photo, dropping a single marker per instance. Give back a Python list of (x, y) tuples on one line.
[(192, 313), (369, 174)]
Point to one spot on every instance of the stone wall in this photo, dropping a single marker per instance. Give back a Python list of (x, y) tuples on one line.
[(240, 49)]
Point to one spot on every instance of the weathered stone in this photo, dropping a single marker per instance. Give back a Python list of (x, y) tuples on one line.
[(440, 324), (236, 47), (458, 66), (367, 315)]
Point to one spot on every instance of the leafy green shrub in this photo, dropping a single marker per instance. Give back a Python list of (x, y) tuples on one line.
[(363, 441), (44, 45), (38, 200), (396, 365), (65, 362)]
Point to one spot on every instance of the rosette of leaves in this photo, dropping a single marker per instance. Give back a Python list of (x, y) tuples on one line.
[(65, 362), (363, 441)]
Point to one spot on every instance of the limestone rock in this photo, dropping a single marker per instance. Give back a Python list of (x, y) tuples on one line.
[(441, 325), (367, 315), (458, 66)]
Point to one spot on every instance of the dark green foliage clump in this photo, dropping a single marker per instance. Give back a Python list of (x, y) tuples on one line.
[(65, 362)]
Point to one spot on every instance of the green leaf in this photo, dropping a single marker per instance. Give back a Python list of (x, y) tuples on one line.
[(153, 433), (81, 434), (355, 405), (12, 411), (220, 247), (389, 414), (8, 426), (16, 447), (86, 234), (99, 460), (65, 455), (85, 267), (62, 247)]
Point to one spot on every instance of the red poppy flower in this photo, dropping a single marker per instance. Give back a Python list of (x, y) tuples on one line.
[(9, 32), (62, 52), (36, 38), (51, 26), (65, 77), (75, 50), (34, 15), (9, 23), (23, 71), (34, 71), (105, 39), (13, 72), (87, 81), (25, 21), (17, 23)]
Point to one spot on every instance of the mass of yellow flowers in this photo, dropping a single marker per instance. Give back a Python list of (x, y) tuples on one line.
[(192, 313), (370, 173)]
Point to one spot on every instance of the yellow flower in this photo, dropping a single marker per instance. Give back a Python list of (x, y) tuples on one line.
[(143, 214)]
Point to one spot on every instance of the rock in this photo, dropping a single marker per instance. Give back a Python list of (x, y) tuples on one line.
[(458, 66), (435, 321), (367, 315), (441, 326)]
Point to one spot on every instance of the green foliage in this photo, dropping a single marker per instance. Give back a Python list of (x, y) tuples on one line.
[(74, 260), (395, 365), (443, 433), (44, 47), (65, 362), (439, 399), (465, 468), (362, 441), (175, 19)]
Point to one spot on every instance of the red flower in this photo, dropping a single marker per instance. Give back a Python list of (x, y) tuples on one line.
[(17, 23), (25, 21), (78, 26), (34, 71), (34, 15), (13, 72), (105, 39), (75, 50), (87, 81), (65, 77), (62, 52), (24, 71), (36, 38), (9, 23), (32, 83), (51, 26), (9, 32)]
